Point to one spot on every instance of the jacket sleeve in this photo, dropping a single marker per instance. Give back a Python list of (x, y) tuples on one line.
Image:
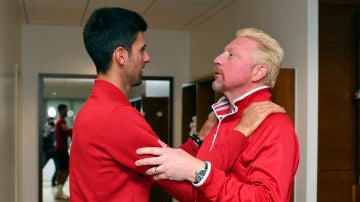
[(224, 154), (133, 132), (270, 161)]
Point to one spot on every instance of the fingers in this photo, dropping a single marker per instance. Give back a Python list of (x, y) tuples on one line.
[(156, 172), (266, 106), (255, 114), (212, 115), (156, 151), (152, 171), (208, 125), (148, 161), (274, 108), (263, 109)]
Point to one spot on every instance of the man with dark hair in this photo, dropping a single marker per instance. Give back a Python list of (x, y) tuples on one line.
[(62, 132), (107, 129)]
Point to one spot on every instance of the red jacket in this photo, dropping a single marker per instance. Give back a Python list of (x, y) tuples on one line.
[(263, 170)]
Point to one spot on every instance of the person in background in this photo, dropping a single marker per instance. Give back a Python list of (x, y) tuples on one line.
[(48, 145), (107, 128), (62, 133), (264, 167)]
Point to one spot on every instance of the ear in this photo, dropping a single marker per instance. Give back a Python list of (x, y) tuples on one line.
[(259, 72), (120, 55)]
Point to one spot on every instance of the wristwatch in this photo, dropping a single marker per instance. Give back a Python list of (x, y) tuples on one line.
[(199, 175), (196, 139)]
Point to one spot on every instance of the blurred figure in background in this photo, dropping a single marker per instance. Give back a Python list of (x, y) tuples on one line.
[(62, 132), (48, 145)]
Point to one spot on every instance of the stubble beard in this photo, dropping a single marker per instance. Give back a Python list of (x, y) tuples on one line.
[(138, 82), (218, 86)]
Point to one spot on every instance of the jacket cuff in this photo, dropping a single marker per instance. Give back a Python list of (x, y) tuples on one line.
[(190, 147), (208, 170)]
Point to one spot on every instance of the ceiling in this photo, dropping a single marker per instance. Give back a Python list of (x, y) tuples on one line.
[(159, 14)]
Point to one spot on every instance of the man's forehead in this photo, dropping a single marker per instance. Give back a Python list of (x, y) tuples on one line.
[(241, 42), (140, 36)]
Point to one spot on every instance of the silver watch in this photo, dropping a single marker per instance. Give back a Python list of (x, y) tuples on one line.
[(199, 175)]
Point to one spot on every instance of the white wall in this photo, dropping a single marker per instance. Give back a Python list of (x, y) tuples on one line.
[(294, 24), (10, 37), (59, 49)]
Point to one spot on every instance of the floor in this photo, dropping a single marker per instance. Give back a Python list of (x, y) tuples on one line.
[(48, 190)]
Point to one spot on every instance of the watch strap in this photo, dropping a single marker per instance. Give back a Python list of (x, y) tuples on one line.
[(196, 139)]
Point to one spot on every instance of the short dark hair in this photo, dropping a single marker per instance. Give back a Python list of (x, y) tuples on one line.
[(61, 107), (109, 28)]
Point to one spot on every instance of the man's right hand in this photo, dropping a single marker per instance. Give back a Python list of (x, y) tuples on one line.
[(254, 115)]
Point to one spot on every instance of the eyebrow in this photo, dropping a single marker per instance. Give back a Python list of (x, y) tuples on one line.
[(229, 49), (143, 47)]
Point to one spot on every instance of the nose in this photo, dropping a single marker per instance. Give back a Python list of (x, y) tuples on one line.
[(218, 58), (146, 57)]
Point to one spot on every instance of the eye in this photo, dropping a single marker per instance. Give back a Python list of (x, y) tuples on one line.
[(143, 48), (231, 54)]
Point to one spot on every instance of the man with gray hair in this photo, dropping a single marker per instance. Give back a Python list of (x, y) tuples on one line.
[(262, 166)]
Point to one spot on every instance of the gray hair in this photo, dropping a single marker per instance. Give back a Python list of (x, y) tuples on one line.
[(269, 52)]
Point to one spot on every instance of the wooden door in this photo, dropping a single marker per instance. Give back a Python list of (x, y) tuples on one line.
[(284, 91), (338, 56)]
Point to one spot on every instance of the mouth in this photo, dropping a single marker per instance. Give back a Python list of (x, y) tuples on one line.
[(217, 76), (217, 73)]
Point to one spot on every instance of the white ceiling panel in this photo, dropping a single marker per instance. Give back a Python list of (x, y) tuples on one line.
[(178, 14), (138, 6), (64, 12), (159, 14)]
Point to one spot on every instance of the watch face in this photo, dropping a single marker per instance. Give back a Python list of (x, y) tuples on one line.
[(199, 175)]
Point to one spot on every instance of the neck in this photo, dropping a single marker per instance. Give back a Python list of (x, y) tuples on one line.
[(116, 82), (236, 95)]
